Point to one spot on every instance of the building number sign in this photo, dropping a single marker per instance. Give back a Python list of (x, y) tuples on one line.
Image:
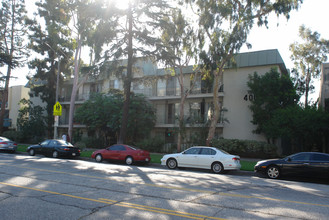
[(249, 97)]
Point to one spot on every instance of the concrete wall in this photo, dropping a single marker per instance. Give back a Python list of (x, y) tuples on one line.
[(16, 93), (239, 114)]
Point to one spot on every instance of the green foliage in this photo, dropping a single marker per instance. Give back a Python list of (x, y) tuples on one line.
[(308, 57), (102, 114), (91, 142), (305, 127), (272, 91), (49, 41), (31, 122), (152, 144), (246, 148), (13, 135)]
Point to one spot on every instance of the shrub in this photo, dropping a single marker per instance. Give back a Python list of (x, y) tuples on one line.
[(80, 145), (246, 148), (91, 142), (153, 144), (13, 135)]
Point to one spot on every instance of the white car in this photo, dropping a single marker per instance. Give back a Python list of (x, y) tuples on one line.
[(203, 157)]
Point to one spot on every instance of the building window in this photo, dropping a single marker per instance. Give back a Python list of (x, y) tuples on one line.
[(171, 86), (161, 87), (171, 114)]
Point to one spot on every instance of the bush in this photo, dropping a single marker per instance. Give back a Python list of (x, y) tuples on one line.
[(91, 142), (246, 148), (153, 144), (13, 135), (80, 145)]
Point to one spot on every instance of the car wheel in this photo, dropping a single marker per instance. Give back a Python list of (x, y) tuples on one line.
[(55, 154), (217, 167), (31, 152), (171, 163), (273, 172), (129, 160), (98, 158)]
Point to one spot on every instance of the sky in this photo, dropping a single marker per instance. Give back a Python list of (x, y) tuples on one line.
[(279, 34)]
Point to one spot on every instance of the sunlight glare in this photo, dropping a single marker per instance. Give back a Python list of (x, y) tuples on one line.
[(121, 4)]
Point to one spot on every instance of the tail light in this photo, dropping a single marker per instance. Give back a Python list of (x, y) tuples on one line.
[(66, 149), (236, 159), (15, 144), (3, 143)]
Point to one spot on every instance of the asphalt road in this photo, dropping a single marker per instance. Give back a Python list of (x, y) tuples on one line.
[(47, 188)]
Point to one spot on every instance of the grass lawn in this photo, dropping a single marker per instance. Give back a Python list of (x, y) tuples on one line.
[(155, 158)]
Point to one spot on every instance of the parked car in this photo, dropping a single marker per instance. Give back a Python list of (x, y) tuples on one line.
[(122, 152), (54, 148), (299, 164), (7, 145), (212, 158)]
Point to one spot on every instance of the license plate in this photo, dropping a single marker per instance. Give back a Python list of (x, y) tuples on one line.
[(73, 154)]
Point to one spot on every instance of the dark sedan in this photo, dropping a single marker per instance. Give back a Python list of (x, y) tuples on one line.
[(54, 148), (122, 152), (300, 164)]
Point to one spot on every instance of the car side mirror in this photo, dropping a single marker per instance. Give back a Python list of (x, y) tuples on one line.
[(289, 159)]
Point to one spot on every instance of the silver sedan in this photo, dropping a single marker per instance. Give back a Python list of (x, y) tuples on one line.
[(7, 145)]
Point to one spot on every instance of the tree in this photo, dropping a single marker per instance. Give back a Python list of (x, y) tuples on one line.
[(92, 22), (179, 48), (95, 114), (272, 91), (31, 121), (306, 128), (139, 37), (13, 30), (50, 39), (224, 28), (308, 57)]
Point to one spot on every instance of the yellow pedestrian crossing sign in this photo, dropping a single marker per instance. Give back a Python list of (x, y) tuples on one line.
[(57, 109)]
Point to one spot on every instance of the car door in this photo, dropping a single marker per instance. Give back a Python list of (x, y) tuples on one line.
[(50, 147), (206, 157), (113, 152), (319, 165), (189, 157), (298, 164), (43, 149)]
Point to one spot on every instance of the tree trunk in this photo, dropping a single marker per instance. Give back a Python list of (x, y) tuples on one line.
[(4, 98), (307, 86), (127, 83), (75, 87), (217, 107)]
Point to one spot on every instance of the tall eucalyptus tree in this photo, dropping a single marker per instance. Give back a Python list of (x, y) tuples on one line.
[(224, 28), (93, 25), (138, 35), (308, 57), (179, 50)]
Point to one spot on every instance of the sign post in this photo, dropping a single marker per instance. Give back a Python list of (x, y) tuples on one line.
[(57, 112)]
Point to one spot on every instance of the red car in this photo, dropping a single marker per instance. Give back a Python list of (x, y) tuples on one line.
[(122, 152)]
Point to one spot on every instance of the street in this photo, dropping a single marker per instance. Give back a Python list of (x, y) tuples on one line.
[(46, 188)]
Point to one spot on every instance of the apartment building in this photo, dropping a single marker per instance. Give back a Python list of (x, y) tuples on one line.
[(324, 87), (15, 94), (163, 90)]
